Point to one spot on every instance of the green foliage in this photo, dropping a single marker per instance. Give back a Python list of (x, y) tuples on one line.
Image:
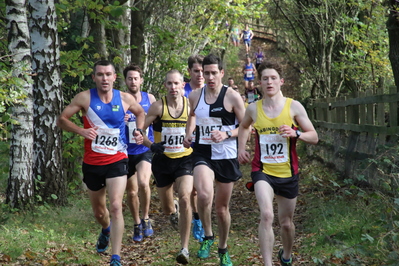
[(345, 43), (349, 223)]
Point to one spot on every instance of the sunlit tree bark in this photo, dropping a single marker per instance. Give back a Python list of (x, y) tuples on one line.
[(48, 101), (20, 189)]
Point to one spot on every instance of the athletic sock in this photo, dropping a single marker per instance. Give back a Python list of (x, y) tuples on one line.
[(222, 250), (107, 230), (284, 260), (117, 257), (209, 237), (196, 215)]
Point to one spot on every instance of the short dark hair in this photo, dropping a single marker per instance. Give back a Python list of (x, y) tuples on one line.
[(103, 63), (195, 59), (132, 67), (174, 71), (212, 59), (269, 65)]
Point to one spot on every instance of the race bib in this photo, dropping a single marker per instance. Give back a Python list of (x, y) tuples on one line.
[(249, 73), (259, 60), (173, 136), (273, 148), (206, 125), (251, 97), (107, 141)]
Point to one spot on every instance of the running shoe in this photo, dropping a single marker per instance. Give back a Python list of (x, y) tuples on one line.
[(138, 232), (198, 230), (115, 262), (183, 256), (174, 220), (205, 248), (147, 228), (225, 259), (174, 217), (282, 261), (102, 242)]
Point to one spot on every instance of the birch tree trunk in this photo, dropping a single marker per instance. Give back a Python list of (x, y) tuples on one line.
[(20, 189), (48, 101)]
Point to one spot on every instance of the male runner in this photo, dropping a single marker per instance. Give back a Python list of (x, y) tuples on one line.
[(275, 164), (196, 82), (105, 158), (247, 36), (195, 71), (172, 161), (215, 113), (138, 183)]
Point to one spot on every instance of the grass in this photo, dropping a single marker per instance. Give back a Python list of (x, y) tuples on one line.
[(336, 224), (349, 225)]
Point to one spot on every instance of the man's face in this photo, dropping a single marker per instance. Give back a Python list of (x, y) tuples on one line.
[(271, 82), (197, 74), (174, 85), (230, 82), (251, 85), (133, 81), (104, 77), (213, 76)]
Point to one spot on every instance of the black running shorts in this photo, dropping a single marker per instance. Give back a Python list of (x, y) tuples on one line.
[(94, 176)]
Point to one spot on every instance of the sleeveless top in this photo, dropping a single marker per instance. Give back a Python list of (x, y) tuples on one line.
[(249, 71), (110, 144), (259, 57), (274, 155), (133, 148), (211, 117), (172, 130), (246, 34)]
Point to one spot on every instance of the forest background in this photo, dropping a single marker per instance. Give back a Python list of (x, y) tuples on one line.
[(49, 47)]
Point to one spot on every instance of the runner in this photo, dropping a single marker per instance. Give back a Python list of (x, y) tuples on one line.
[(138, 189), (196, 82), (258, 57), (247, 36), (105, 158), (249, 71), (215, 117), (195, 71), (172, 161), (275, 164)]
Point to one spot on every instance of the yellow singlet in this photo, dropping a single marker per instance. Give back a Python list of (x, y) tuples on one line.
[(172, 130), (274, 155)]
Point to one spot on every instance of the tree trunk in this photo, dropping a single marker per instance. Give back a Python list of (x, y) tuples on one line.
[(20, 189), (137, 32), (48, 101), (100, 39), (393, 34)]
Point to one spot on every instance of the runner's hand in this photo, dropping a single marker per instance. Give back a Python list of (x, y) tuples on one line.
[(158, 148), (187, 142)]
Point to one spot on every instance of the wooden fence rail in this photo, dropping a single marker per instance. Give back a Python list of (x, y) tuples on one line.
[(359, 112)]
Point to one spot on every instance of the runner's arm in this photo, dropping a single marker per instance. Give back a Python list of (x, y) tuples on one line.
[(79, 103), (243, 132)]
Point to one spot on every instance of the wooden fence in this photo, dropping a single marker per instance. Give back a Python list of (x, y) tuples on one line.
[(355, 128), (359, 112)]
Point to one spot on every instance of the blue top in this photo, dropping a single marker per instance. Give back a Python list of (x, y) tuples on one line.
[(187, 89), (133, 148)]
